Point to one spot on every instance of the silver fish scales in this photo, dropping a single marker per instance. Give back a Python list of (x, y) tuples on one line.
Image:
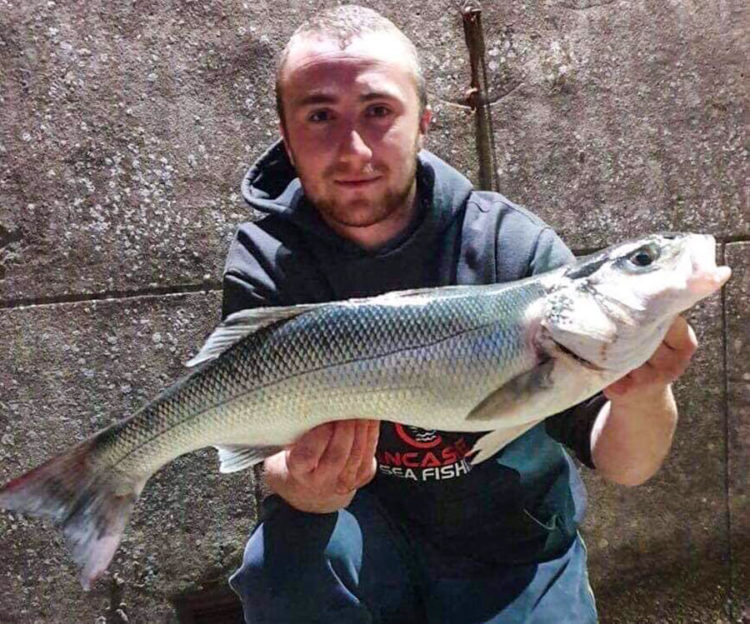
[(495, 358), (427, 357)]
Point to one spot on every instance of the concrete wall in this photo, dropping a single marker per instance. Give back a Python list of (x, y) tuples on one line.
[(125, 130)]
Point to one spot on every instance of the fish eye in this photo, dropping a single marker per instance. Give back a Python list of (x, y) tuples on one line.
[(644, 256)]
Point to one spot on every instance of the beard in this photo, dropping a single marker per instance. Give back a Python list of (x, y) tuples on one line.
[(364, 209)]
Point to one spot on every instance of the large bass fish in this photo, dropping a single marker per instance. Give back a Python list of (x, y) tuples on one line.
[(497, 358)]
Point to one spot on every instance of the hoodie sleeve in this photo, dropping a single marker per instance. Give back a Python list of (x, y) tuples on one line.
[(248, 272), (571, 427)]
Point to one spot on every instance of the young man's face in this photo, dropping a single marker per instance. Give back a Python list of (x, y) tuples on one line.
[(352, 127)]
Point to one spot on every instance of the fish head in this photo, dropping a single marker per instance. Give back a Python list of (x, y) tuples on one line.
[(612, 309)]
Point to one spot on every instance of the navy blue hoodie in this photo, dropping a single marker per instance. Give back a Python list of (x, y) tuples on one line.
[(525, 503)]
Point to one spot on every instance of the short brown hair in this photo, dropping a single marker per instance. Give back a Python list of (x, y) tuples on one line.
[(344, 23)]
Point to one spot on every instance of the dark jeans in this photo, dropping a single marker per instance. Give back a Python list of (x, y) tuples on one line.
[(358, 566)]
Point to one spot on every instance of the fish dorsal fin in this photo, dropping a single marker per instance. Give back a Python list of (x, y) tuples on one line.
[(243, 323), (234, 458), (418, 295)]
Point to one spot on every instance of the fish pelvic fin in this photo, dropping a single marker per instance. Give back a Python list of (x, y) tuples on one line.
[(234, 458), (91, 503)]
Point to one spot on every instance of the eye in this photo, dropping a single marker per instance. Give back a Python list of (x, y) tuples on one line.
[(644, 256), (320, 116), (379, 110)]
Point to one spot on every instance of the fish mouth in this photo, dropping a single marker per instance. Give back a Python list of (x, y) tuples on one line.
[(581, 360), (706, 276)]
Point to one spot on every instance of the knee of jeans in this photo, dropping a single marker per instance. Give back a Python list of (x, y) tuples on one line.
[(250, 573), (344, 549), (339, 554)]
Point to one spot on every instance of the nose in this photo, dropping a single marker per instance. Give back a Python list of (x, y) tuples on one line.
[(354, 149)]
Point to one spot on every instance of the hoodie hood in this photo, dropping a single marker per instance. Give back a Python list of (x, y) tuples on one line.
[(271, 186)]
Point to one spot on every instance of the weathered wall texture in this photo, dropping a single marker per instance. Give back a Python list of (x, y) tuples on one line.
[(738, 424), (125, 130)]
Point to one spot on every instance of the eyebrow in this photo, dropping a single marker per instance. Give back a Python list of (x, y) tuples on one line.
[(318, 98)]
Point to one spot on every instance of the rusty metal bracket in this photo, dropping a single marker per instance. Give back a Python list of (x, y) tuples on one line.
[(477, 96)]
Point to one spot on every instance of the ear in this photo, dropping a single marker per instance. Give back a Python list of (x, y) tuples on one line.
[(285, 139), (424, 124)]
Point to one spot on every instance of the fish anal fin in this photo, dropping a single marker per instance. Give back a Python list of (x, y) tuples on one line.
[(504, 401), (235, 457), (493, 442)]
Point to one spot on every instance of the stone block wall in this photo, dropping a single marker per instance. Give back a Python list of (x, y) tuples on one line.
[(125, 129)]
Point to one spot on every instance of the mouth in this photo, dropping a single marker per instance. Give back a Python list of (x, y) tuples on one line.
[(357, 183)]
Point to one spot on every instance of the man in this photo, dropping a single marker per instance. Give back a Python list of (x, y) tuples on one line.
[(374, 522)]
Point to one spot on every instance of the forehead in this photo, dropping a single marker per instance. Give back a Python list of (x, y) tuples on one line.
[(374, 60)]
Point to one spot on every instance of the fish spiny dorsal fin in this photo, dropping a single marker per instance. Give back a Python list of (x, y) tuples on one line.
[(418, 296), (243, 323)]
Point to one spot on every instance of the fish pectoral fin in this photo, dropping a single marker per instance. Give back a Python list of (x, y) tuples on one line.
[(513, 393), (495, 441), (234, 458), (504, 402), (243, 323)]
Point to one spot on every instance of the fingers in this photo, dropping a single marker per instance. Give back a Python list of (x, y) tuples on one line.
[(369, 465), (319, 457), (331, 461), (673, 355), (348, 475), (619, 387), (306, 453), (681, 337), (360, 468), (666, 364)]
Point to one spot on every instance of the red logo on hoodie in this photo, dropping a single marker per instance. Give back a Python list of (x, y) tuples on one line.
[(418, 438)]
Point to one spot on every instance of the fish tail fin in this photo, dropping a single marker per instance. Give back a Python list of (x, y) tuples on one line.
[(89, 501)]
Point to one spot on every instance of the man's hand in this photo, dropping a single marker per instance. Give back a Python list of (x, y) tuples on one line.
[(633, 432), (667, 363), (321, 471)]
